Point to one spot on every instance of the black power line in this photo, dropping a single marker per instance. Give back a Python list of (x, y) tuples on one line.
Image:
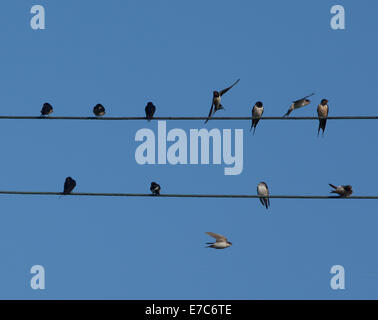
[(184, 118), (237, 196)]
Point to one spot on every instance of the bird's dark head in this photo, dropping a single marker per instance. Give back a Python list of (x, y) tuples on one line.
[(216, 94), (348, 188), (324, 102), (68, 179), (259, 104), (150, 104)]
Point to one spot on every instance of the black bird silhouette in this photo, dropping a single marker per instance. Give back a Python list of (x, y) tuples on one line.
[(155, 188), (69, 185), (150, 111), (46, 109), (99, 110)]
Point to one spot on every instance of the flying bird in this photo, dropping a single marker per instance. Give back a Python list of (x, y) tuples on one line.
[(216, 103), (221, 242), (342, 191), (155, 188), (263, 192), (69, 185), (150, 110), (99, 110), (299, 104), (46, 109), (257, 112), (323, 114)]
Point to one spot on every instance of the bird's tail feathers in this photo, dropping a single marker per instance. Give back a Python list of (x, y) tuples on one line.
[(331, 185)]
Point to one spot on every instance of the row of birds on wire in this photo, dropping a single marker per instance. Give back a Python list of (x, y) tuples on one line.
[(343, 191), (257, 110)]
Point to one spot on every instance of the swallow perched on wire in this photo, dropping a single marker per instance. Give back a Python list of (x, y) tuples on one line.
[(323, 110), (216, 103), (150, 111), (221, 242), (257, 112), (155, 188), (46, 109), (299, 104), (263, 192), (342, 191), (69, 185), (99, 110)]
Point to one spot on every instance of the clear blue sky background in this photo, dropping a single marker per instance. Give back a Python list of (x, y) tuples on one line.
[(174, 53)]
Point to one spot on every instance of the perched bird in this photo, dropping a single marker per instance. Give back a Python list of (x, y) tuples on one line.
[(155, 188), (342, 191), (46, 109), (99, 110), (257, 112), (150, 110), (263, 192), (216, 103), (69, 185), (323, 114), (299, 104), (220, 243)]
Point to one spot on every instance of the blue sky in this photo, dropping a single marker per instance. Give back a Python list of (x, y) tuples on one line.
[(175, 53)]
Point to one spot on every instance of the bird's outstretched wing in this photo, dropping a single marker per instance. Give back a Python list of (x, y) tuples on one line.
[(310, 95), (211, 111), (222, 92), (304, 98), (217, 236)]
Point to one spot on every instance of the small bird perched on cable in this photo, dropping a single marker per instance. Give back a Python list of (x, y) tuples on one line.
[(299, 104), (69, 185), (257, 112), (220, 243), (342, 191), (155, 188), (263, 192), (46, 109), (150, 111), (323, 110), (99, 110), (216, 103)]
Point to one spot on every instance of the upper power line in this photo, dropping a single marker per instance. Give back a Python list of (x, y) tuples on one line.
[(185, 118)]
